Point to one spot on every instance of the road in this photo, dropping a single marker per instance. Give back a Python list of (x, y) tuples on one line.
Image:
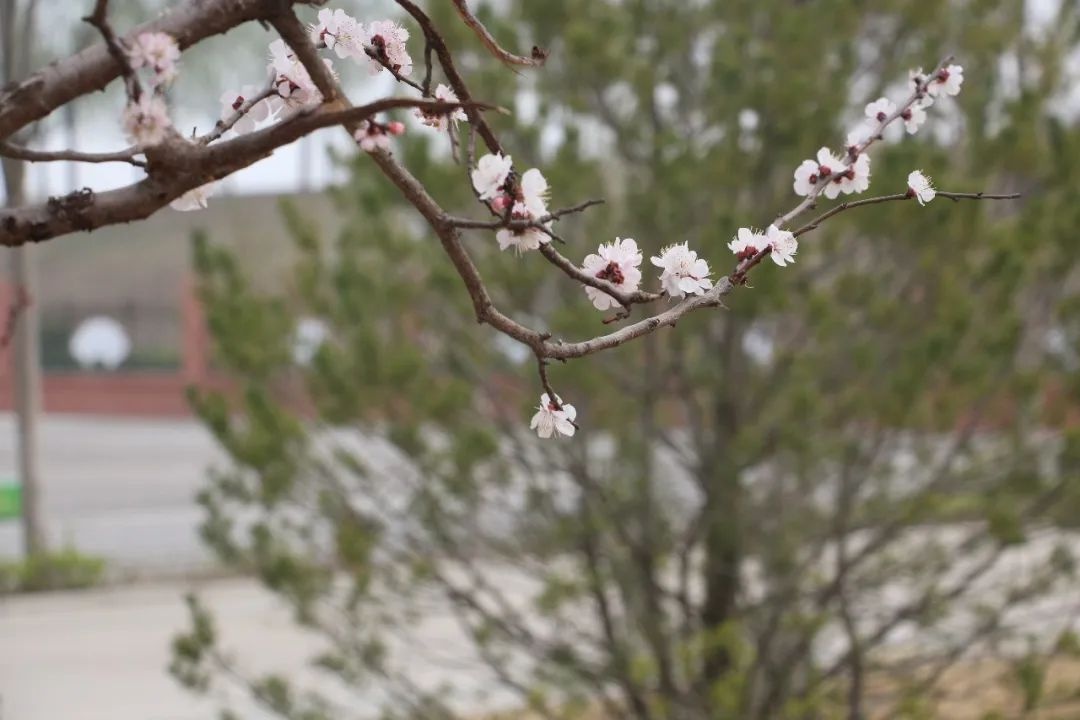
[(120, 488), (103, 654)]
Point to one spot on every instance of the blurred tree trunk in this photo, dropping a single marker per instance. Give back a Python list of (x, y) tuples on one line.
[(18, 30)]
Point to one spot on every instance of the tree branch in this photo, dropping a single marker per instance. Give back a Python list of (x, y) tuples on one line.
[(99, 19), (446, 60), (93, 68), (223, 126), (537, 58), (23, 153), (176, 166)]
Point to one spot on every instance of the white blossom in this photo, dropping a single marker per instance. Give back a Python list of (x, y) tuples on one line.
[(441, 121), (521, 240), (782, 244), (490, 175), (921, 187), (552, 417), (534, 193), (194, 199), (915, 116), (372, 136), (880, 110), (947, 81), (146, 122), (862, 132), (530, 205), (291, 79), (809, 174), (856, 178), (386, 39), (747, 243), (339, 32), (616, 262), (157, 51), (683, 271), (232, 100)]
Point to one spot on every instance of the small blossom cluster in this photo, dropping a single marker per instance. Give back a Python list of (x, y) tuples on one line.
[(831, 175), (291, 80), (441, 121), (145, 118), (381, 44), (780, 244), (372, 136), (521, 201), (157, 52)]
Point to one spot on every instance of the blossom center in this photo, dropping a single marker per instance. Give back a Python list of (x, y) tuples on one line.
[(612, 273)]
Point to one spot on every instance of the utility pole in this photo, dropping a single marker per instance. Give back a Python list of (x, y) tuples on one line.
[(17, 39)]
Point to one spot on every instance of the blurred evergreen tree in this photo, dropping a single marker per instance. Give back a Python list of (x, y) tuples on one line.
[(762, 501)]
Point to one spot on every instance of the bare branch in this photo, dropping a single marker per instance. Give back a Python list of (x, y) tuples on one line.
[(23, 153), (99, 19), (537, 58)]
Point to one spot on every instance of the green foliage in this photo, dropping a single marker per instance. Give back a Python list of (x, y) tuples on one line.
[(1030, 672), (886, 392), (65, 569)]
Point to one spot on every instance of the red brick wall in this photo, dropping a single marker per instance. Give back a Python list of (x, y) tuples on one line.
[(143, 393)]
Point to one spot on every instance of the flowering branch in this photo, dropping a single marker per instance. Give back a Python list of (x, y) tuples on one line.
[(851, 204), (512, 224), (446, 62), (224, 125), (858, 148), (177, 166), (304, 95)]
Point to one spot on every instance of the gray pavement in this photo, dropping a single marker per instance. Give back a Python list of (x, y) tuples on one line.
[(120, 488)]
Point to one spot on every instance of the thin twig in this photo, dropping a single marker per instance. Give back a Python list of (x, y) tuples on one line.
[(453, 77), (536, 58), (99, 19), (223, 126), (739, 275), (520, 225), (23, 153), (374, 54), (625, 298)]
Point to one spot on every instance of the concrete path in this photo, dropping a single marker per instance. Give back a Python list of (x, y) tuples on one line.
[(120, 488), (103, 654)]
